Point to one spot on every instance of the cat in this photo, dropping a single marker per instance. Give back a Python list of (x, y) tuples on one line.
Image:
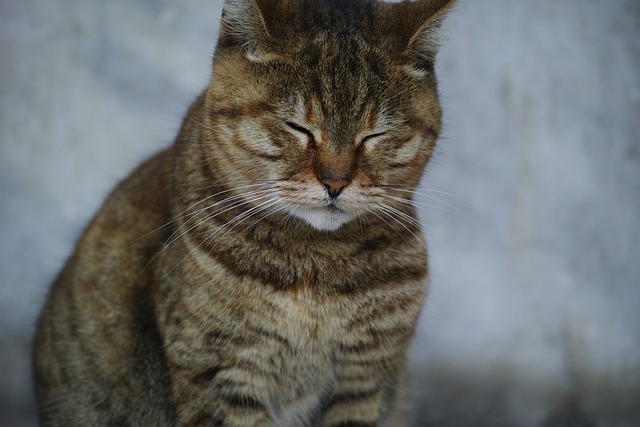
[(268, 268)]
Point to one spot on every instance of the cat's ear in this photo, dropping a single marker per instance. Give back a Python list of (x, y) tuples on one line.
[(418, 25), (245, 26)]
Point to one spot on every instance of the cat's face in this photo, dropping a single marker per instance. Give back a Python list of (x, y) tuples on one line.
[(335, 119)]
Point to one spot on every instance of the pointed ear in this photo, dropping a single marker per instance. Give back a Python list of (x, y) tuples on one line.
[(245, 27), (418, 24)]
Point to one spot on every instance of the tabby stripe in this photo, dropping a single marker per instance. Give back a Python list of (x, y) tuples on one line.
[(399, 165), (274, 129), (388, 278), (394, 311), (366, 363), (392, 332), (230, 158), (215, 335), (252, 109), (349, 397), (391, 315), (269, 274), (266, 273), (360, 347), (430, 133), (272, 335), (422, 127), (241, 401), (378, 344), (253, 368), (242, 145), (207, 170), (381, 360), (355, 375), (205, 377), (232, 113), (230, 384)]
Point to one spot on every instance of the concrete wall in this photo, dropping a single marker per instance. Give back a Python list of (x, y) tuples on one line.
[(534, 229)]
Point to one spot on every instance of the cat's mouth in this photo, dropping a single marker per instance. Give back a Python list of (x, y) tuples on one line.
[(327, 217), (333, 208)]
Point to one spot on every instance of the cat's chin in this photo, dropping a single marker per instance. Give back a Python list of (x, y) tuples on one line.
[(325, 219)]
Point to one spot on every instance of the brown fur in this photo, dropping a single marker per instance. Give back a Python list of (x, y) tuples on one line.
[(267, 269)]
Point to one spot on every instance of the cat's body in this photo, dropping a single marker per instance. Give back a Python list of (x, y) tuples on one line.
[(266, 270)]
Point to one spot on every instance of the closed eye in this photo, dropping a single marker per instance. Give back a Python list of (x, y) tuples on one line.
[(371, 137), (306, 132)]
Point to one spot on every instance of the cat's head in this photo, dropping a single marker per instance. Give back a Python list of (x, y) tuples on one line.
[(330, 104)]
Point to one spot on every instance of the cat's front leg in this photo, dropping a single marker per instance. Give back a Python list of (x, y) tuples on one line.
[(368, 393), (216, 378), (352, 408), (213, 396)]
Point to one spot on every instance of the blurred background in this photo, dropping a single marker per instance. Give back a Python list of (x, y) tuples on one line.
[(532, 204)]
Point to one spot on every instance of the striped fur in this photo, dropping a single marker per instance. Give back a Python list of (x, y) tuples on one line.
[(267, 269)]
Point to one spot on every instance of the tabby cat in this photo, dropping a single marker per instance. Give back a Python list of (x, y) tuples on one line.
[(267, 269)]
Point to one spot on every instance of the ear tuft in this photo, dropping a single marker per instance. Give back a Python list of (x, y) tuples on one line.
[(243, 26), (418, 23)]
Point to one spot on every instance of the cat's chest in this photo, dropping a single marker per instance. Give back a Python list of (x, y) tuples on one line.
[(313, 328), (311, 320)]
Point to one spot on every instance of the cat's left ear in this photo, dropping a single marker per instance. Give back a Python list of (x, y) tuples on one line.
[(245, 26), (418, 25)]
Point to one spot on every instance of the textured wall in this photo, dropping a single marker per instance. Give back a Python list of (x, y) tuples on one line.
[(534, 216)]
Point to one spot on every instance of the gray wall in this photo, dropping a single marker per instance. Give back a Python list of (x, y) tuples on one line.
[(534, 216)]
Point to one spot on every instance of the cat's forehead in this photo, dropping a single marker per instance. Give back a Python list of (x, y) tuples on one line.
[(330, 28), (347, 86)]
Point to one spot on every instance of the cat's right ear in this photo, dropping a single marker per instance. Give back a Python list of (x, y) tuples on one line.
[(245, 26), (416, 24)]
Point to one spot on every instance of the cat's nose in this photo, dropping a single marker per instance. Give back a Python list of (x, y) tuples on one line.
[(335, 185)]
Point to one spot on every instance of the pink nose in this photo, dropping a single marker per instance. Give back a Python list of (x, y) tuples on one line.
[(335, 186)]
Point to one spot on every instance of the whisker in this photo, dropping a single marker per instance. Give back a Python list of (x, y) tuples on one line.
[(268, 215), (235, 204), (451, 195), (392, 213), (286, 218), (183, 214), (246, 215), (433, 190), (244, 195), (406, 217), (171, 240), (389, 225), (418, 193), (237, 220), (416, 203), (202, 124)]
